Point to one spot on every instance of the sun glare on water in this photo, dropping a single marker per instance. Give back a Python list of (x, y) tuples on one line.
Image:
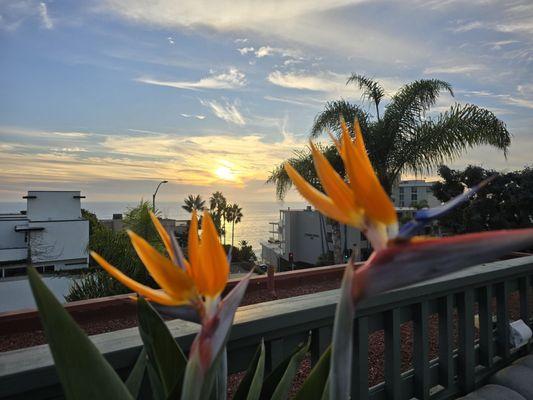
[(225, 173)]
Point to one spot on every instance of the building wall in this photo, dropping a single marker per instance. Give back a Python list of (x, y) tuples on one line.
[(307, 238), (408, 192), (60, 242), (53, 205)]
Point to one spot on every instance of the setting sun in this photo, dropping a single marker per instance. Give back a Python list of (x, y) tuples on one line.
[(225, 173)]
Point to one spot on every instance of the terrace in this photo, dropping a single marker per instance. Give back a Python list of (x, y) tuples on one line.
[(449, 355)]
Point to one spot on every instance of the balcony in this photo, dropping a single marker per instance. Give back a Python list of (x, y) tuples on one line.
[(465, 357)]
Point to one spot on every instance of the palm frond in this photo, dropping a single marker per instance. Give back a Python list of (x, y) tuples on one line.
[(408, 105), (372, 90), (449, 135), (328, 120)]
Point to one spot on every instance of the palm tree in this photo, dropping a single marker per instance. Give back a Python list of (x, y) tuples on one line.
[(234, 215), (193, 203), (404, 138), (217, 206)]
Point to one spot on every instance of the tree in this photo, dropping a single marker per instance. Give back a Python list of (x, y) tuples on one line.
[(505, 203), (117, 249), (233, 215), (217, 207), (404, 138), (193, 203), (138, 220)]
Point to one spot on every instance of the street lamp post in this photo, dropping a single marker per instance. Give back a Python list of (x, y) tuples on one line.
[(155, 193)]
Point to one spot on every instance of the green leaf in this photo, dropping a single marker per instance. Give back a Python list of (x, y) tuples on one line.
[(134, 381), (82, 370), (164, 354), (278, 383), (314, 385), (158, 392), (251, 384), (340, 372)]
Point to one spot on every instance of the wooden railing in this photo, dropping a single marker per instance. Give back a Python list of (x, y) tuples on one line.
[(465, 359)]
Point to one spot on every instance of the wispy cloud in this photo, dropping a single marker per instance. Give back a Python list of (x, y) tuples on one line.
[(45, 18), (226, 111), (466, 26), (323, 82), (230, 79), (197, 116), (454, 69)]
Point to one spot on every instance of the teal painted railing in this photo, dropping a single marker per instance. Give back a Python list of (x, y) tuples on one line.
[(465, 359)]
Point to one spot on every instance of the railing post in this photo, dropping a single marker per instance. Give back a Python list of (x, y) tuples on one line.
[(274, 354), (465, 308), (392, 354), (486, 331), (360, 359), (321, 339), (523, 287), (446, 370), (502, 315), (421, 350)]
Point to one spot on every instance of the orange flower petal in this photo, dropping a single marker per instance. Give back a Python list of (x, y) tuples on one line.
[(157, 296), (364, 182), (321, 202), (170, 277), (333, 184), (193, 249), (213, 258), (164, 237)]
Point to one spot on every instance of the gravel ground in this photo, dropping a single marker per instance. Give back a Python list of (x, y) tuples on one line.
[(376, 339)]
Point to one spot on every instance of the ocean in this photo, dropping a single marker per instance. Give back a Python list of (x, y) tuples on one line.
[(254, 226)]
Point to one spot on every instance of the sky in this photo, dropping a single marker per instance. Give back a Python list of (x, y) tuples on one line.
[(112, 96)]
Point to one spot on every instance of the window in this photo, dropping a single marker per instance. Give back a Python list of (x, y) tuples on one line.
[(414, 197), (401, 190), (15, 271), (362, 236), (413, 190)]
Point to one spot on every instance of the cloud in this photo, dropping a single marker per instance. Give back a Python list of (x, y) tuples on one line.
[(454, 69), (466, 27), (245, 50), (189, 159), (45, 18), (227, 111), (312, 23), (265, 51), (323, 82), (170, 40), (193, 116), (230, 79)]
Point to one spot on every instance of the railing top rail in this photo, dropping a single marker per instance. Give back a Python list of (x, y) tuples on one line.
[(304, 312)]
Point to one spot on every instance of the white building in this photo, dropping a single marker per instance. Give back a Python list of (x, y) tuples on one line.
[(303, 236), (410, 192), (51, 234)]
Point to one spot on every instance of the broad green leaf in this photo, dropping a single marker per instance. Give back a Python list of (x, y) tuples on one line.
[(340, 372), (135, 379), (206, 350), (314, 385), (164, 354), (158, 392), (84, 373), (251, 384), (278, 383)]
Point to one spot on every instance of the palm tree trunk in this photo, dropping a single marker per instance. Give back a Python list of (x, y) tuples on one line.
[(232, 232), (336, 239), (224, 227)]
